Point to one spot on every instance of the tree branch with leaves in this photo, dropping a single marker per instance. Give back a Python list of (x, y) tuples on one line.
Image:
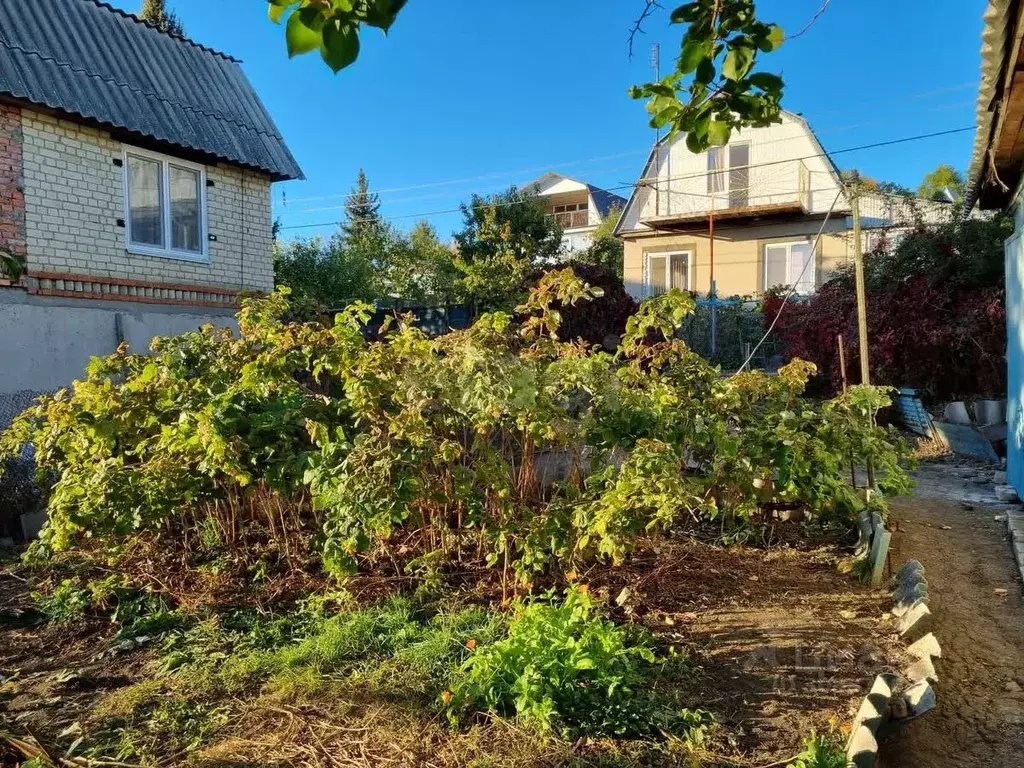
[(715, 89)]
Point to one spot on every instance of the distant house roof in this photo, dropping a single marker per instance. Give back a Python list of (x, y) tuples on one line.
[(90, 61), (605, 201)]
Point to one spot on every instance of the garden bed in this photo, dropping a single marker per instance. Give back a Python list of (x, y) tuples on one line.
[(775, 643)]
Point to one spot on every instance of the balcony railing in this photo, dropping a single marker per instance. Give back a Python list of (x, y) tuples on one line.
[(572, 219), (776, 189)]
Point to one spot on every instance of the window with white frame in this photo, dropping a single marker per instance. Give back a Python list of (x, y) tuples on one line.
[(666, 271), (790, 264), (716, 169), (165, 206)]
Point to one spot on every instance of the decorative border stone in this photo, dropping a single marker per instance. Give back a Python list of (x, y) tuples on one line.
[(873, 543), (884, 704)]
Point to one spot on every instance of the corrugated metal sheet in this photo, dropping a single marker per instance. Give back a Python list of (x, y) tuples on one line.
[(85, 58), (605, 200)]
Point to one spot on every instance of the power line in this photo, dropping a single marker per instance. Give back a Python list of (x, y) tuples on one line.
[(792, 288), (633, 153), (649, 182)]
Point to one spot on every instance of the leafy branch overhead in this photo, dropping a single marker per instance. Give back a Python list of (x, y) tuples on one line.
[(715, 89), (331, 26)]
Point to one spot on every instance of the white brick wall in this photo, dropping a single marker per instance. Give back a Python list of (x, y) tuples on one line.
[(74, 197)]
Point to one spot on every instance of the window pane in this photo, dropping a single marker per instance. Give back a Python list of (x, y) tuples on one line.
[(657, 276), (144, 194), (739, 175), (802, 256), (186, 226), (716, 178), (680, 276), (775, 266)]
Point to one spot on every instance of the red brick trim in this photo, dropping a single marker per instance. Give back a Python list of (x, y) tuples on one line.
[(124, 289), (133, 299), (135, 283)]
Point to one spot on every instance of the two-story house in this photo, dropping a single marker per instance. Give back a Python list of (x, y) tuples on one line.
[(742, 216), (135, 176), (578, 207)]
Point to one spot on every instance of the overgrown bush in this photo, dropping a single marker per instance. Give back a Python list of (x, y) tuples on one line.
[(311, 446), (936, 314), (603, 317)]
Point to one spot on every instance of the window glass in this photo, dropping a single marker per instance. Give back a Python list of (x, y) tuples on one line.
[(680, 271), (186, 225), (145, 193), (716, 164), (802, 267), (657, 276), (775, 272)]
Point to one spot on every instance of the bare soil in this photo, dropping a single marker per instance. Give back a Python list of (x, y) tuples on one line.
[(782, 640), (976, 601)]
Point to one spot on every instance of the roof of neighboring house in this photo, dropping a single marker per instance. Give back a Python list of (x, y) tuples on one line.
[(605, 201), (1001, 40), (88, 60)]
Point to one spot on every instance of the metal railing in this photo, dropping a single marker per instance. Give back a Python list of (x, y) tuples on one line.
[(572, 219)]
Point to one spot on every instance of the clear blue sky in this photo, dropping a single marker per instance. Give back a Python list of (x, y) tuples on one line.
[(463, 89)]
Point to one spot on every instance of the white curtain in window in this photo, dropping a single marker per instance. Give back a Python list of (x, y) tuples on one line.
[(186, 227), (145, 192)]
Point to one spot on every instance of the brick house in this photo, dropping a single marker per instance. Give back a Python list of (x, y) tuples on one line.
[(135, 177)]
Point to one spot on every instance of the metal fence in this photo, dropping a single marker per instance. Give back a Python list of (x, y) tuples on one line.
[(725, 332)]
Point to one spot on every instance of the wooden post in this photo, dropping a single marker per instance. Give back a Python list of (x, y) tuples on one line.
[(862, 302), (714, 291), (842, 372), (862, 305)]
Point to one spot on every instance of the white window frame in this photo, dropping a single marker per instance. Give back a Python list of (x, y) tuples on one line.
[(668, 269), (789, 263), (167, 252)]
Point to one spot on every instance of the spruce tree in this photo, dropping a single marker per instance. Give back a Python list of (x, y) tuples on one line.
[(156, 13), (362, 211)]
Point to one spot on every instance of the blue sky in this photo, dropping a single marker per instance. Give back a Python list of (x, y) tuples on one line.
[(473, 95)]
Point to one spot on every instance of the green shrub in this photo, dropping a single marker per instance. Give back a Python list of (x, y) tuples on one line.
[(68, 602), (820, 751), (562, 665)]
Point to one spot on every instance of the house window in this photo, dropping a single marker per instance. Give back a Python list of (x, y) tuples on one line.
[(571, 215), (165, 202), (666, 271), (790, 264), (716, 169)]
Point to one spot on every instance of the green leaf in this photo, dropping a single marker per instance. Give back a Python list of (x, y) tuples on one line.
[(766, 81), (772, 40), (382, 13), (341, 45), (718, 133), (738, 62), (693, 53), (705, 71), (685, 14), (300, 38), (276, 9)]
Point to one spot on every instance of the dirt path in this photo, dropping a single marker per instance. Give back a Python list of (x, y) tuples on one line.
[(950, 527)]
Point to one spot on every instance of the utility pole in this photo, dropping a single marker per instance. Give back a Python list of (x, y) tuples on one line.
[(656, 66), (862, 306), (858, 266)]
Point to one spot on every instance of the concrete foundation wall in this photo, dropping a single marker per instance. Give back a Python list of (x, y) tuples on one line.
[(46, 343)]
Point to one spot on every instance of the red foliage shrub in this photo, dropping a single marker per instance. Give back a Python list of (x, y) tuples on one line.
[(941, 330)]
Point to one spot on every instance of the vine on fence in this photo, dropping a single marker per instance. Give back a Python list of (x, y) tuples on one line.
[(502, 442)]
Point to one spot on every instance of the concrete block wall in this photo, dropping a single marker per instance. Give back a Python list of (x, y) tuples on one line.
[(74, 196), (12, 199)]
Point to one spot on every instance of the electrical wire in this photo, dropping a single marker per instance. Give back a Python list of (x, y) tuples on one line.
[(792, 288), (659, 181), (632, 153)]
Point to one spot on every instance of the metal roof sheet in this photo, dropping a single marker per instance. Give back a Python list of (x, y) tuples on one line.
[(88, 59)]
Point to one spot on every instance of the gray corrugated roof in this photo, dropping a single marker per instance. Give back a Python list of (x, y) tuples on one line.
[(88, 59), (605, 200)]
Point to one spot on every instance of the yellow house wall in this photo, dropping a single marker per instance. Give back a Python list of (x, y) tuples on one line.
[(739, 255)]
